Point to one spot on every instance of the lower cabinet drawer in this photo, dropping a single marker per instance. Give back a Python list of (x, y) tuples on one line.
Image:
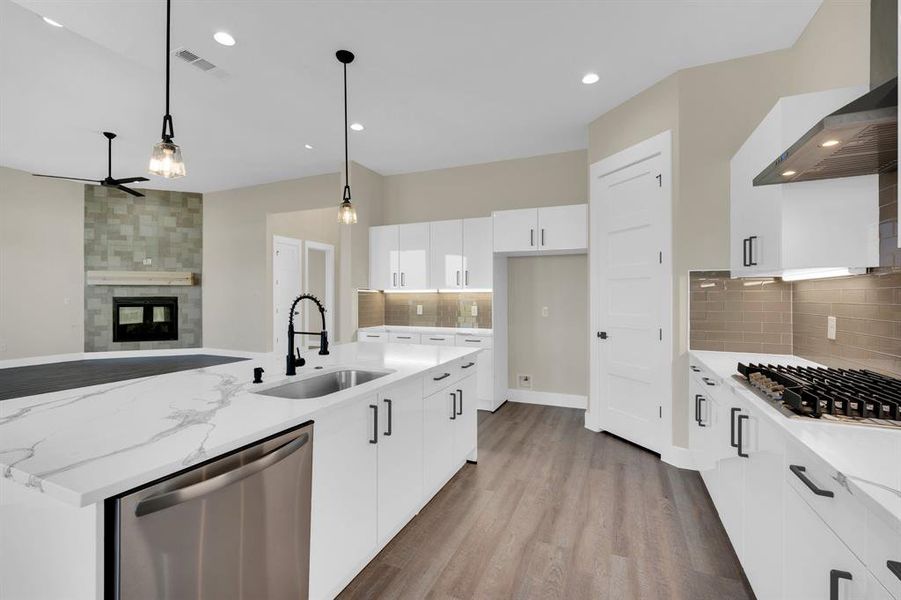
[(365, 336), (442, 377), (884, 552), (437, 339), (404, 338), (474, 341)]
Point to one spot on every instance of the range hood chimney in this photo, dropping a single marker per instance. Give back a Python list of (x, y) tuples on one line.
[(860, 138)]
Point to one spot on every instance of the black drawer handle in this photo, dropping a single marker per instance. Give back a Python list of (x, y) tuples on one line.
[(741, 451), (800, 473), (695, 369), (440, 377), (404, 337), (467, 365), (895, 567), (834, 576), (707, 381), (438, 339), (732, 414), (473, 341)]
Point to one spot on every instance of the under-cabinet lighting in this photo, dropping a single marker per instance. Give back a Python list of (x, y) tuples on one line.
[(802, 274), (708, 285), (757, 282), (50, 21), (463, 290), (829, 143), (432, 291), (788, 173)]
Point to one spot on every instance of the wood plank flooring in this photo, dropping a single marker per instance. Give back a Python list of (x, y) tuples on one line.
[(553, 510)]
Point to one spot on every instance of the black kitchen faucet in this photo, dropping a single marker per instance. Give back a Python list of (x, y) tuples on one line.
[(292, 361)]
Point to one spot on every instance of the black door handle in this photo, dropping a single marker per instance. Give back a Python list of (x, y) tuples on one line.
[(707, 381), (741, 453), (375, 424), (732, 412), (800, 473), (460, 392), (834, 576), (390, 415), (751, 261), (895, 567), (700, 416), (744, 253), (454, 407), (602, 335), (698, 409)]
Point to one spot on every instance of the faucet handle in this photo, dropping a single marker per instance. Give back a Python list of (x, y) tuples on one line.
[(300, 361)]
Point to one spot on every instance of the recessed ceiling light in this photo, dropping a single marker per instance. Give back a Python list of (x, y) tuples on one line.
[(788, 173), (590, 78), (224, 38), (308, 147), (829, 143), (357, 126), (50, 21)]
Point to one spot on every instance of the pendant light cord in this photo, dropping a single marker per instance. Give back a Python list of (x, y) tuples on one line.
[(346, 159), (168, 127)]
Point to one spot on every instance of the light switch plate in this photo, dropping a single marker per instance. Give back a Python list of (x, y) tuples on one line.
[(544, 311), (474, 310), (419, 309), (830, 327)]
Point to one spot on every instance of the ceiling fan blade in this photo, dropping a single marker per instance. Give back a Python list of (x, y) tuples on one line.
[(129, 180), (69, 178), (130, 191)]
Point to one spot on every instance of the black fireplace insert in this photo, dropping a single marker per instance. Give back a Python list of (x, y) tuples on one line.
[(145, 319)]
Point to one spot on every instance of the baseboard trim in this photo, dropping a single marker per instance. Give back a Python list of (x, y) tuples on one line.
[(678, 457), (547, 398)]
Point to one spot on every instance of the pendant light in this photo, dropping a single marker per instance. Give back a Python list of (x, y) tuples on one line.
[(166, 160), (347, 215)]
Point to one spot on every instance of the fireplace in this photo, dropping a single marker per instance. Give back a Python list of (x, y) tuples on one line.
[(145, 319)]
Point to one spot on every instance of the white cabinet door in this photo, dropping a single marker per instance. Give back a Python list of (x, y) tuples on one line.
[(563, 227), (384, 258), (344, 524), (399, 457), (516, 230), (730, 471), (478, 254), (414, 255), (465, 426), (446, 254), (764, 486), (438, 440), (816, 556)]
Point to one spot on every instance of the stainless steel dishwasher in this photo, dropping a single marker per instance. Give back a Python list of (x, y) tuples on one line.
[(237, 527)]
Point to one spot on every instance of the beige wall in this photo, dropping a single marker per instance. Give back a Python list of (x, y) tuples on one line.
[(41, 265), (552, 349), (711, 110)]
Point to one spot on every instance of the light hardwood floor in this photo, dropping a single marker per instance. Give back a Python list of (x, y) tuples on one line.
[(553, 510)]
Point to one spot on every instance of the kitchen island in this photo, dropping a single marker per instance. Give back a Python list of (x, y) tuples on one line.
[(63, 454)]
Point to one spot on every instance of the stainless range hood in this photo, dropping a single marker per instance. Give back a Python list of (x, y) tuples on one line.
[(857, 139)]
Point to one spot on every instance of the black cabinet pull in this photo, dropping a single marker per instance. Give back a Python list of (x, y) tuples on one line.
[(834, 576), (440, 377), (744, 253), (454, 407), (467, 365), (466, 277), (751, 261), (695, 369), (460, 392), (741, 452), (732, 441), (800, 473), (895, 567), (375, 424), (390, 415), (707, 381), (531, 237), (698, 409), (542, 236), (437, 339), (700, 416)]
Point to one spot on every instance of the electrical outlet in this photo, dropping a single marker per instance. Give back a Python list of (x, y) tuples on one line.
[(524, 381), (147, 262), (474, 310), (544, 311), (830, 328), (419, 309)]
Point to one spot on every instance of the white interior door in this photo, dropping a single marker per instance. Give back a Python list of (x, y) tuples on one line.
[(631, 295), (319, 280), (286, 271)]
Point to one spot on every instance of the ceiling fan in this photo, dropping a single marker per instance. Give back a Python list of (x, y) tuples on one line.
[(108, 181)]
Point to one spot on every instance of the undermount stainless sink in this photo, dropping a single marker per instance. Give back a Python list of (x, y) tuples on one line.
[(323, 385)]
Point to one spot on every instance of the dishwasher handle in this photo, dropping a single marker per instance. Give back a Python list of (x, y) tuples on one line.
[(213, 484)]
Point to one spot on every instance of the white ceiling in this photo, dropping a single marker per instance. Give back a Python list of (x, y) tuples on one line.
[(436, 84)]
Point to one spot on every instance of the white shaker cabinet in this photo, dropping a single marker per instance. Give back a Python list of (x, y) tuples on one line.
[(552, 229), (344, 533), (399, 440), (478, 254), (465, 426), (515, 230), (783, 227), (439, 413), (384, 258)]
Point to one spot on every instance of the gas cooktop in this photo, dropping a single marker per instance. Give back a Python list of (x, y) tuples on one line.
[(840, 395)]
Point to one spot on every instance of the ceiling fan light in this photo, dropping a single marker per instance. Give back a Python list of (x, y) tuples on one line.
[(166, 161), (347, 214)]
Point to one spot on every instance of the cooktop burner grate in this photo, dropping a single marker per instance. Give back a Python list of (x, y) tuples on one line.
[(846, 395)]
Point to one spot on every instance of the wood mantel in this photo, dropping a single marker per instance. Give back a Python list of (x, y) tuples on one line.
[(157, 278)]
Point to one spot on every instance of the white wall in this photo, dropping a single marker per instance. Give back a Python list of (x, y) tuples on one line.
[(41, 265)]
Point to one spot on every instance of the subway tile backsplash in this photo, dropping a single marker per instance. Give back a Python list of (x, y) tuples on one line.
[(438, 310)]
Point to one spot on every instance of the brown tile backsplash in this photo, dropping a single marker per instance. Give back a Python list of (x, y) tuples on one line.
[(735, 315), (438, 310), (889, 253), (867, 309)]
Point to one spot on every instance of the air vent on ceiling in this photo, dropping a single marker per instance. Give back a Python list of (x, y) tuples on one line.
[(194, 60)]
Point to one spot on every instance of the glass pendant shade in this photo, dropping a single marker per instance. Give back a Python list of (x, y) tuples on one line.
[(347, 214), (166, 161)]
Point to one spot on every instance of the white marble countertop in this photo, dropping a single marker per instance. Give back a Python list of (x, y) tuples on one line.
[(868, 457), (442, 330), (84, 445)]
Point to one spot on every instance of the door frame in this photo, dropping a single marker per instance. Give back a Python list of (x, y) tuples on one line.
[(658, 145), (287, 241), (329, 301)]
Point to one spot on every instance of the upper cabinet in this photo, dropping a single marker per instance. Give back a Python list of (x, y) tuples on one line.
[(776, 229), (461, 255), (550, 230), (399, 257)]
